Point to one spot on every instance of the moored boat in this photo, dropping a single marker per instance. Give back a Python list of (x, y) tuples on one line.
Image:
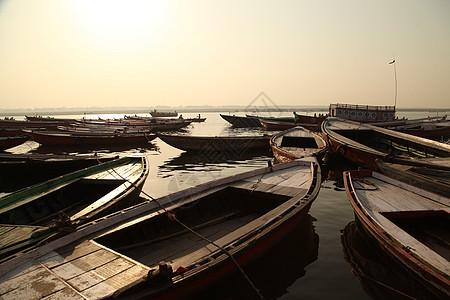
[(236, 144), (59, 205), (243, 216), (156, 113), (409, 223), (62, 138), (22, 170), (7, 142), (363, 143), (271, 124), (242, 121), (296, 143), (434, 178)]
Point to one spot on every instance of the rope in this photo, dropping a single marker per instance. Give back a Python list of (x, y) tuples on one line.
[(172, 216)]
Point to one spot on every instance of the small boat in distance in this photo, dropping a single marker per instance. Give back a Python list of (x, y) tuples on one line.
[(409, 223), (136, 252), (242, 121), (296, 143), (155, 113)]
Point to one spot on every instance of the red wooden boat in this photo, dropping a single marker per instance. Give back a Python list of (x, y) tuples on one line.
[(411, 225), (248, 213), (363, 143), (61, 138), (7, 142), (296, 143)]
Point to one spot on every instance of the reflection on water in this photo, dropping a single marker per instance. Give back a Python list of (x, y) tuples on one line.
[(381, 276), (274, 271), (91, 149)]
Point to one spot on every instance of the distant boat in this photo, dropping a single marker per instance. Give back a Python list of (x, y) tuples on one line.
[(236, 144), (242, 121), (156, 113), (62, 138), (51, 123), (137, 254), (59, 205), (363, 143), (411, 224), (7, 142), (362, 113), (296, 143)]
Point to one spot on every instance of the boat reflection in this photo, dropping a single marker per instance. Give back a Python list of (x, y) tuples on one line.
[(381, 276), (274, 271), (192, 161)]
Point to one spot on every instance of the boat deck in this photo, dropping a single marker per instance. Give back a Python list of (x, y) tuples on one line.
[(84, 271), (395, 209)]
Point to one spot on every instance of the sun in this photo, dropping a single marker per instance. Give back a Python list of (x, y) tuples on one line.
[(116, 22)]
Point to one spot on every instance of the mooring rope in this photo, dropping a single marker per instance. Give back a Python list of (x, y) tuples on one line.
[(172, 216)]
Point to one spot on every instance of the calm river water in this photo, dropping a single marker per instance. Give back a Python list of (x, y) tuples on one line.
[(322, 259)]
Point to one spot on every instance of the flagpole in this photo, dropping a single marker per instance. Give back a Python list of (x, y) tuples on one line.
[(395, 79)]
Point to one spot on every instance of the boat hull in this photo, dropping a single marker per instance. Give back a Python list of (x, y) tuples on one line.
[(217, 144), (389, 241)]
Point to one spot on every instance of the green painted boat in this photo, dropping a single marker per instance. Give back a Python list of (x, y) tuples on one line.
[(57, 206)]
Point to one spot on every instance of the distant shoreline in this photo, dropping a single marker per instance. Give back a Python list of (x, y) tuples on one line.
[(129, 110)]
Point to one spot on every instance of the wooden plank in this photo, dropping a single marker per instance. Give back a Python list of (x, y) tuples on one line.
[(83, 264), (128, 277), (66, 294), (33, 285)]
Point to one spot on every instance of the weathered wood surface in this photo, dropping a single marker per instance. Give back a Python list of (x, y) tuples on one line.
[(86, 270), (379, 195)]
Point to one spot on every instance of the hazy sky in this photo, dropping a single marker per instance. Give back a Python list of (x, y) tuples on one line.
[(76, 53)]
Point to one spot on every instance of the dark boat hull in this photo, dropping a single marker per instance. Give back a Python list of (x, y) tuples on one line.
[(239, 121), (217, 144), (12, 141)]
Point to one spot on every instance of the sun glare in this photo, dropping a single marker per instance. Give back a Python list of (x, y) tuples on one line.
[(119, 21)]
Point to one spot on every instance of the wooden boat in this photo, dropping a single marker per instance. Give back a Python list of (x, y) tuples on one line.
[(120, 255), (12, 123), (61, 138), (22, 170), (217, 143), (7, 142), (242, 121), (156, 113), (363, 143), (10, 131), (46, 119), (436, 180), (59, 205), (431, 130), (380, 275), (296, 143), (409, 223)]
